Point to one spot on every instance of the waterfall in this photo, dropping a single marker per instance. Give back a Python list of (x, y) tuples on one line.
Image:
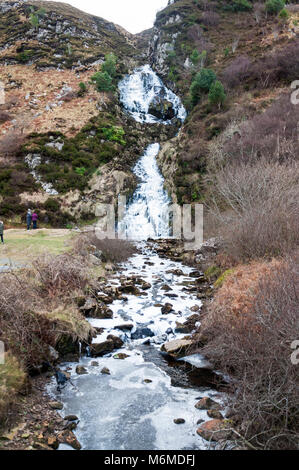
[(137, 92), (147, 216)]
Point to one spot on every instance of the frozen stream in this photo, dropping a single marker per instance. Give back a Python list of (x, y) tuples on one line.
[(135, 407)]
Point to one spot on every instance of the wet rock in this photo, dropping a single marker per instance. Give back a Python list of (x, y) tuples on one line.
[(56, 405), (161, 109), (196, 308), (125, 327), (200, 421), (214, 414), (147, 381), (71, 426), (71, 418), (141, 333), (166, 288), (207, 403), (100, 349), (94, 364), (176, 347), (215, 430), (188, 326), (118, 342), (129, 289), (121, 356), (105, 371), (146, 286), (167, 308), (169, 331), (80, 370), (69, 438), (53, 442), (179, 421)]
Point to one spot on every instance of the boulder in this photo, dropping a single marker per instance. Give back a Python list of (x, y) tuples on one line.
[(161, 109), (118, 342), (179, 421), (167, 308), (80, 370), (141, 333), (214, 414), (207, 403), (176, 347), (215, 430), (96, 309), (125, 327), (55, 405), (100, 349), (71, 418), (121, 356), (105, 371), (69, 438)]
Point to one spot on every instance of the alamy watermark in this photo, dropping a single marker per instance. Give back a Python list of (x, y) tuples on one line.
[(295, 354), (2, 93), (184, 223), (2, 353), (295, 93)]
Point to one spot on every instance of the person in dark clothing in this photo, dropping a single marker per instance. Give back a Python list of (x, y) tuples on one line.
[(34, 220), (1, 230), (28, 219)]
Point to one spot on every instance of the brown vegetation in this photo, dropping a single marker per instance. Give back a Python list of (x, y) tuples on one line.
[(249, 330), (114, 251)]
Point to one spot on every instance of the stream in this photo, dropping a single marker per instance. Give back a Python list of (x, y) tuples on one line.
[(134, 407)]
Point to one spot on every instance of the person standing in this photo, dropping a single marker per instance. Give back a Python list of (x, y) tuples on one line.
[(34, 220), (1, 230), (28, 219)]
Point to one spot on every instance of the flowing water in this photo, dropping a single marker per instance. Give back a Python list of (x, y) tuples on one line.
[(135, 407)]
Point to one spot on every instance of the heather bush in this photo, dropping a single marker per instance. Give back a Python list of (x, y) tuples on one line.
[(248, 333), (237, 72)]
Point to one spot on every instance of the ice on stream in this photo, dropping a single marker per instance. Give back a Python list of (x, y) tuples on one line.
[(121, 411)]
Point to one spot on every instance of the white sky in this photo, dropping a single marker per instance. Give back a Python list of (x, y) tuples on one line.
[(133, 15)]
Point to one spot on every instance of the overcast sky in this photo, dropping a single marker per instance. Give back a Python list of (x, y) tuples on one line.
[(133, 15)]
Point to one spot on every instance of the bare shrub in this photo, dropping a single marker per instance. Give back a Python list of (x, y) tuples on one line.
[(210, 18), (11, 143), (60, 275), (194, 155), (69, 96), (24, 332), (280, 65), (114, 251), (249, 330), (258, 11), (237, 72), (257, 208), (272, 135)]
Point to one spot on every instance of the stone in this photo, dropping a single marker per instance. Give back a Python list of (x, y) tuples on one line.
[(117, 342), (53, 442), (161, 109), (80, 370), (71, 418), (105, 371), (147, 381), (214, 414), (100, 349), (179, 421), (121, 356), (215, 430), (69, 438), (125, 327), (55, 405), (167, 308), (141, 333), (94, 364), (196, 308), (207, 403), (177, 346)]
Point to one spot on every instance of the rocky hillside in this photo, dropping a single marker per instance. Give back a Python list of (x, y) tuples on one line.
[(65, 145), (250, 51)]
